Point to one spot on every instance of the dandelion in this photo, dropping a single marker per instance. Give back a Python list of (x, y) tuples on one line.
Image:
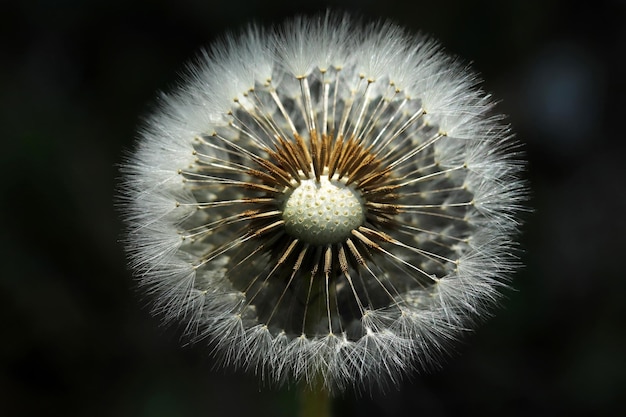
[(330, 202)]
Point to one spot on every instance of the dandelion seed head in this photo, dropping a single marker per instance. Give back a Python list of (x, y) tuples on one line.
[(329, 201)]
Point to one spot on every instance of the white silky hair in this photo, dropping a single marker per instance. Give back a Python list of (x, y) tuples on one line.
[(402, 287)]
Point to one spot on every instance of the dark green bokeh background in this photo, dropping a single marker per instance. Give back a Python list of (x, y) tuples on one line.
[(76, 340)]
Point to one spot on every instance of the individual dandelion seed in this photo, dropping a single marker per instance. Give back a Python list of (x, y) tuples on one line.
[(329, 201)]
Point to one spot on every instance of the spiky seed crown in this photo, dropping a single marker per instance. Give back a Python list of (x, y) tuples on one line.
[(330, 201)]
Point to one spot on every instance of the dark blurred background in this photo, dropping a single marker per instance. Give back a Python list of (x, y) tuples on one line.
[(77, 339)]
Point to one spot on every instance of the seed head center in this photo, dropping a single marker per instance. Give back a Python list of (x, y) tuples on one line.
[(323, 212)]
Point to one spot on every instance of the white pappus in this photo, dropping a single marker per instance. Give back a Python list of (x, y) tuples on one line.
[(328, 201)]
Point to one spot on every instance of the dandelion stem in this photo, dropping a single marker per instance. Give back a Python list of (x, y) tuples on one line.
[(315, 401), (314, 395)]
